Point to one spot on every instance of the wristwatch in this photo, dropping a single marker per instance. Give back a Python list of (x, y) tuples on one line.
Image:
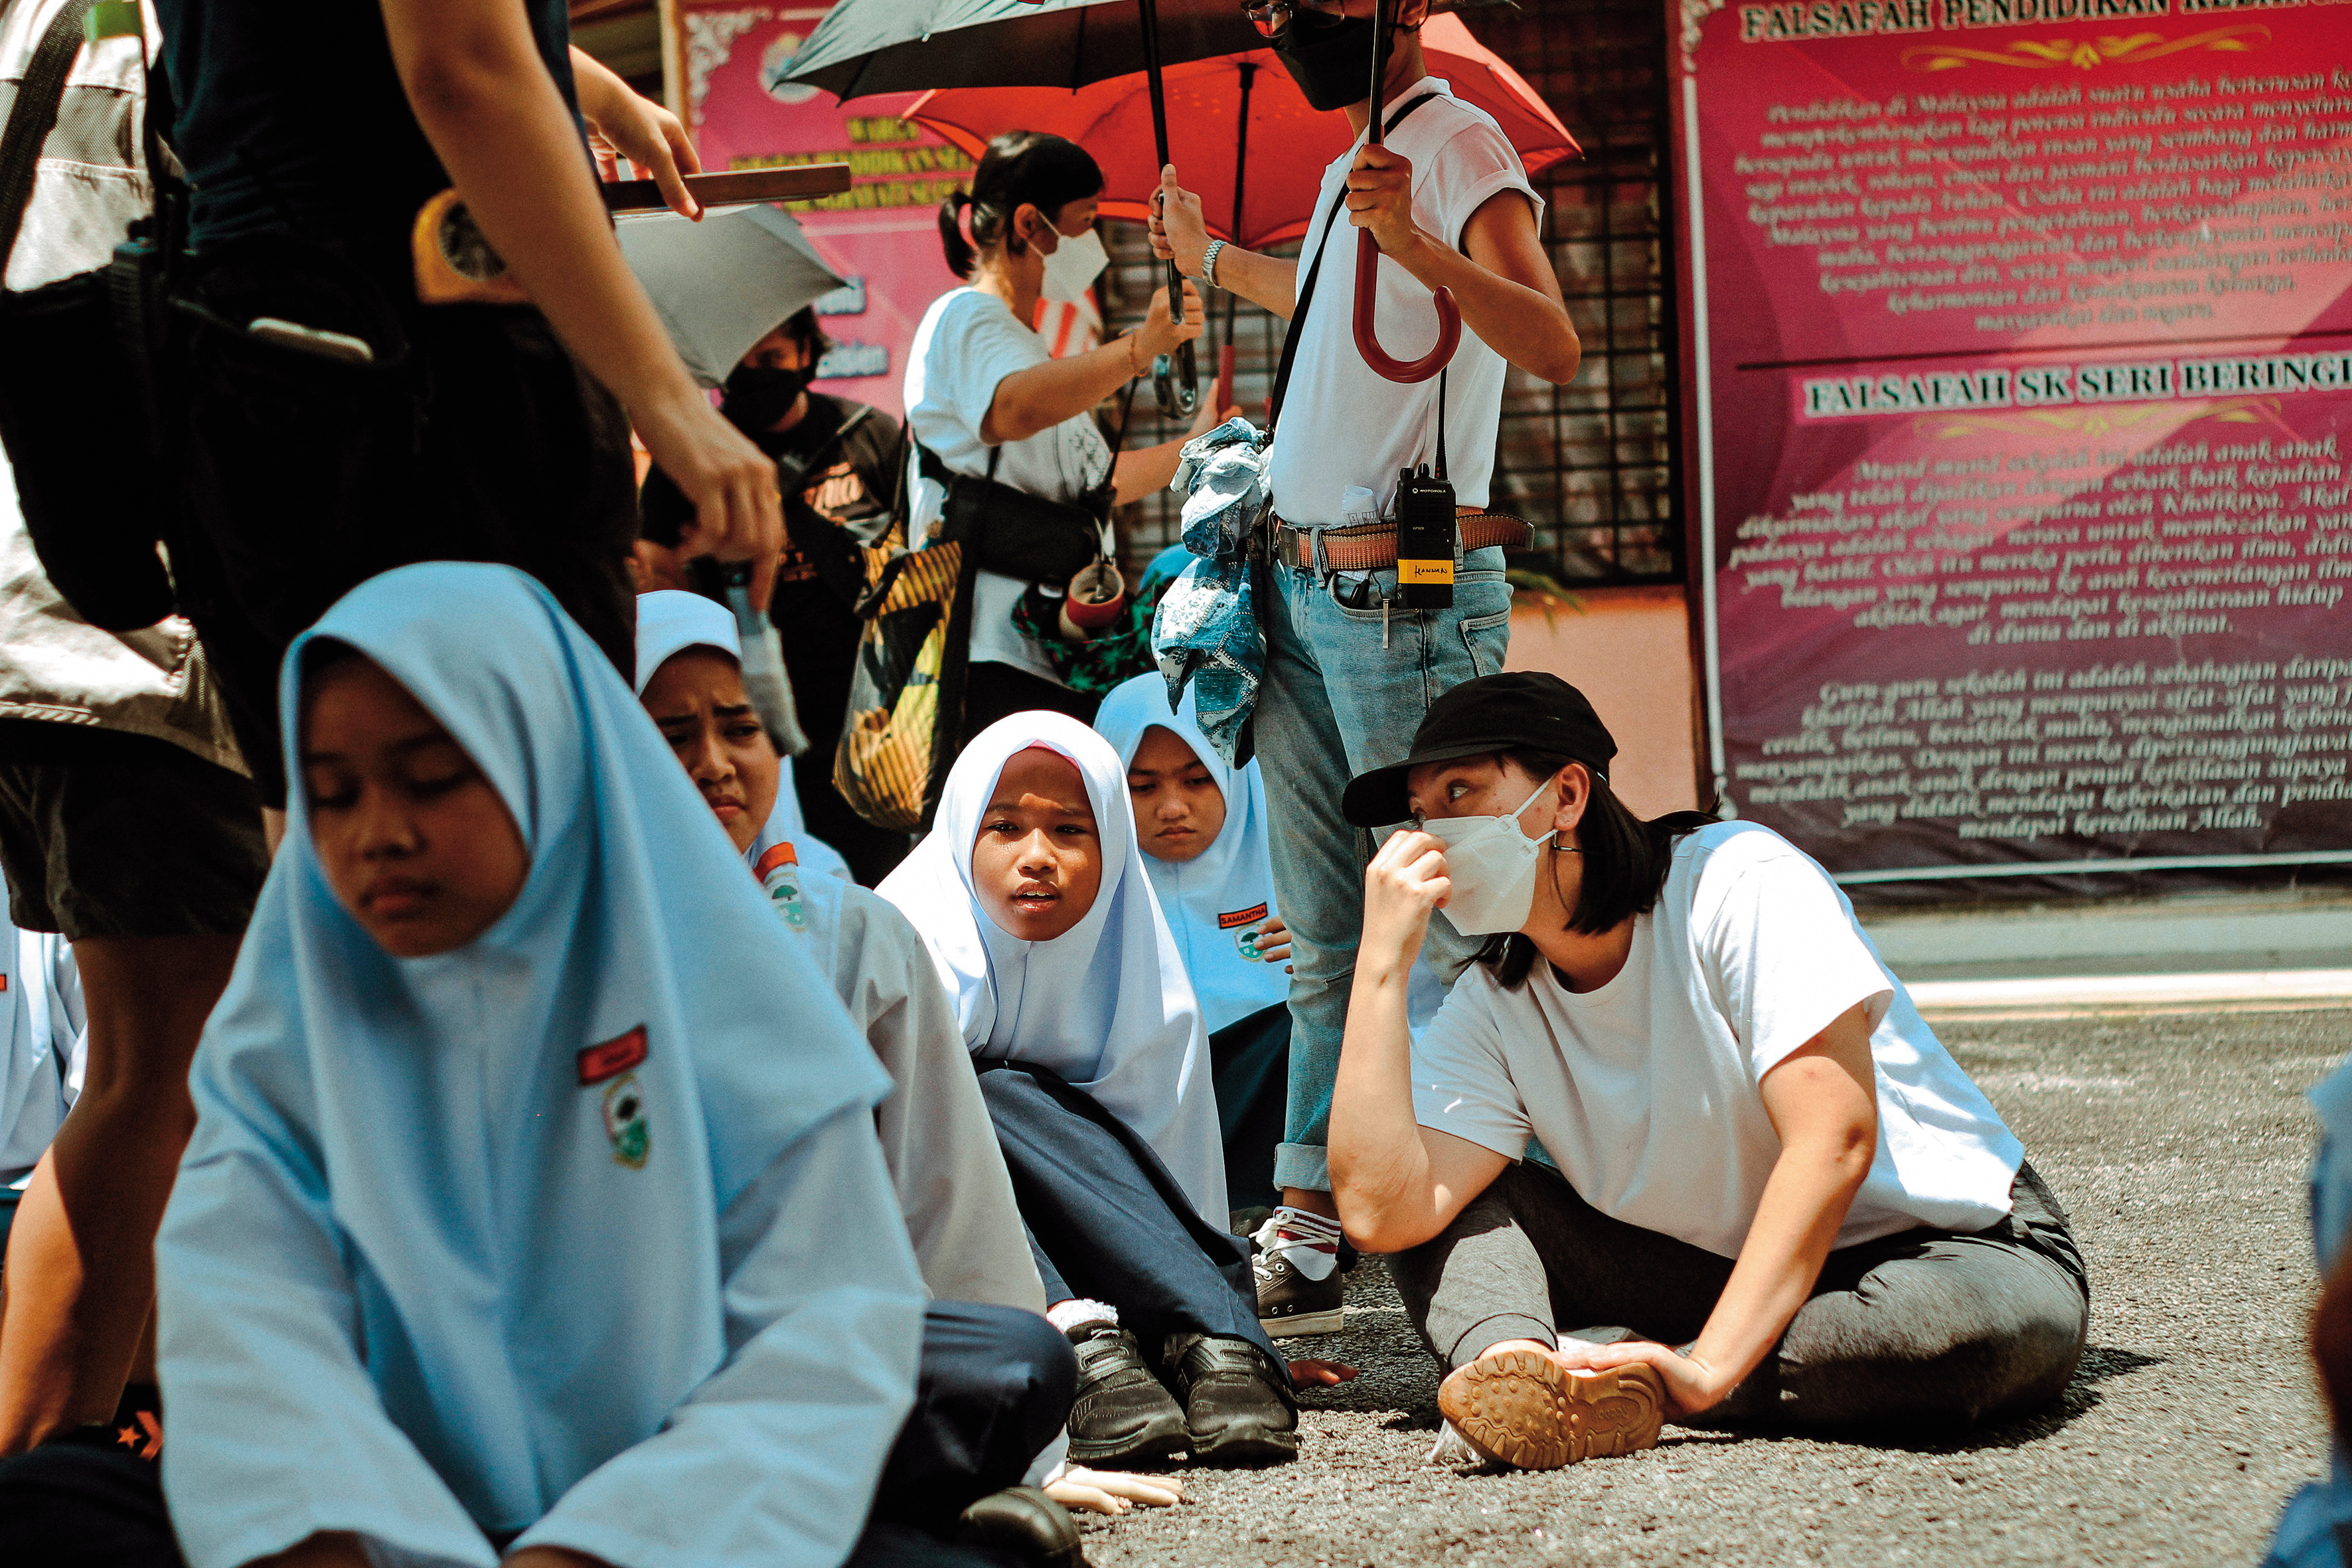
[(1209, 262)]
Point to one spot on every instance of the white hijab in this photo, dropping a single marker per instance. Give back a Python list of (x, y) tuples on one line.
[(1218, 900), (669, 622), (1106, 1006)]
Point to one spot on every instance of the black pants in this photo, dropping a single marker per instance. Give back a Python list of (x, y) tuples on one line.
[(474, 437), (993, 691), (1925, 1329), (995, 1387), (1251, 1059), (1106, 1220)]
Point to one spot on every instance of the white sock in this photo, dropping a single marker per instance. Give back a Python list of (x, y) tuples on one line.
[(1077, 1311), (1308, 1241)]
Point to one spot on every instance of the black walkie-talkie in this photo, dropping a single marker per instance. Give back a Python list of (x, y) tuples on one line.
[(1425, 508), (1426, 531)]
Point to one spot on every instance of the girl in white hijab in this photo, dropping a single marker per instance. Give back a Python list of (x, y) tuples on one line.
[(935, 1137), (669, 621), (1033, 898), (1202, 826), (507, 1230)]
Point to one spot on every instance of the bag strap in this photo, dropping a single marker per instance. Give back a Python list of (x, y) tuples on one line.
[(1314, 271), (32, 116)]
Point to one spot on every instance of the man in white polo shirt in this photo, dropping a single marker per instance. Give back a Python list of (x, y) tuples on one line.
[(1350, 670)]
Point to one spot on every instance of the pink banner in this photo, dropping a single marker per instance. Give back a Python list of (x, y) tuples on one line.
[(2020, 384), (881, 235)]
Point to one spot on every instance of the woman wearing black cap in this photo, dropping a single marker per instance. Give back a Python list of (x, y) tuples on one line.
[(1679, 1146)]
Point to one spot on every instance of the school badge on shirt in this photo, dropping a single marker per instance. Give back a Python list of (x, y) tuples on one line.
[(1244, 924), (624, 1107)]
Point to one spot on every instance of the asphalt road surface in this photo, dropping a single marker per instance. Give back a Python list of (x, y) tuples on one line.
[(2179, 1142)]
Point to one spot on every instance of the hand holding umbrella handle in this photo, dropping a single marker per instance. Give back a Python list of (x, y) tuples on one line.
[(1368, 342), (1175, 379)]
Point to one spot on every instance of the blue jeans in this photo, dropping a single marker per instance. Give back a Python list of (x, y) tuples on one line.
[(1334, 703)]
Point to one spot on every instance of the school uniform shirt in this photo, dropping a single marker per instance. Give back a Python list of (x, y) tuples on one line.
[(1646, 1090), (1218, 902), (937, 1139), (44, 1046), (968, 342), (1106, 1006), (1344, 423), (550, 1234)]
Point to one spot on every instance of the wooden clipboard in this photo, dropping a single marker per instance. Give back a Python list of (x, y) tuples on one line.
[(799, 183), (454, 265)]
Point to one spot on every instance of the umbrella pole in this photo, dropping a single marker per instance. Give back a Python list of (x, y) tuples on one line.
[(1241, 183), (1178, 393)]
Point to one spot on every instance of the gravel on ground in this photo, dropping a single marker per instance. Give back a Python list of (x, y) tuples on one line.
[(2179, 1142)]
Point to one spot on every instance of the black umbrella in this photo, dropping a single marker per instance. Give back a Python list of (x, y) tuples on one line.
[(906, 46)]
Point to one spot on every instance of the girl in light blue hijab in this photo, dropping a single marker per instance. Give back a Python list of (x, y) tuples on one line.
[(508, 1226)]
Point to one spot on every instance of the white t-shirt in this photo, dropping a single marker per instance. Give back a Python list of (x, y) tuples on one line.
[(1342, 422), (967, 343), (1644, 1091)]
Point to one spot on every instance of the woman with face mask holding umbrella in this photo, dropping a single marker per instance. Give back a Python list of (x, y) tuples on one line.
[(1000, 426)]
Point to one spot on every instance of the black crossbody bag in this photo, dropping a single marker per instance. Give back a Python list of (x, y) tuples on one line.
[(1011, 531), (79, 410)]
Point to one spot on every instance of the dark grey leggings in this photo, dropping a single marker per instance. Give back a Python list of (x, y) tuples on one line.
[(1925, 1328)]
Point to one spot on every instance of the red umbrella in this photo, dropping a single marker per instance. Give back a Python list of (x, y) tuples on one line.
[(1239, 130)]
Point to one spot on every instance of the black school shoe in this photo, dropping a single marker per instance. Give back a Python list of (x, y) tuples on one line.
[(1291, 1306), (1023, 1525), (1237, 1405), (1121, 1414)]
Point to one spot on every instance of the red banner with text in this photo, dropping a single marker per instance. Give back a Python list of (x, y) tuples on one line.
[(881, 235), (2020, 379)]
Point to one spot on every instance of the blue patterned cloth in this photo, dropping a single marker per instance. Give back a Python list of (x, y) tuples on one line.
[(1206, 629)]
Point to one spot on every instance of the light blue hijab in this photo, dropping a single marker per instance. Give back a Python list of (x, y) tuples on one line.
[(530, 1299)]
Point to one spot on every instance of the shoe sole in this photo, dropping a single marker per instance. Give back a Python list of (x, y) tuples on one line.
[(1156, 1444), (1248, 1449), (1301, 1325), (1523, 1409)]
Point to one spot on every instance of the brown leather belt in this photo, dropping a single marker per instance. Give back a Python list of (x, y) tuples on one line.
[(1371, 546)]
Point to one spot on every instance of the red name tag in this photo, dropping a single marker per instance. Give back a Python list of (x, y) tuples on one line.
[(613, 1057), (1241, 917)]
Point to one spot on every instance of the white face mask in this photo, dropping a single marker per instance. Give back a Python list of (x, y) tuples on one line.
[(1072, 269), (1492, 865)]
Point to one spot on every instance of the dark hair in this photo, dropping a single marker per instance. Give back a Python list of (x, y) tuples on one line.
[(1032, 167), (1625, 863), (803, 328)]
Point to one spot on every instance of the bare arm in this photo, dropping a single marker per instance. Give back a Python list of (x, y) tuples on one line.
[(1504, 284), (1043, 395), (640, 129), (485, 100), (1397, 1183), (1823, 1102), (1178, 231)]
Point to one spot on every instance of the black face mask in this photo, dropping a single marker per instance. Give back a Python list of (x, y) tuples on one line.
[(1332, 64), (756, 397)]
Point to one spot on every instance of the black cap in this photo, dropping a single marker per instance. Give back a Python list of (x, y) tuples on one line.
[(1520, 709)]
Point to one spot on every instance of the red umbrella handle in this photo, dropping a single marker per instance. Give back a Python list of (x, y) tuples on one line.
[(1368, 342)]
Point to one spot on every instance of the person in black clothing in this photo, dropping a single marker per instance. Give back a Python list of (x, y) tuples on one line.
[(837, 464), (476, 427)]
